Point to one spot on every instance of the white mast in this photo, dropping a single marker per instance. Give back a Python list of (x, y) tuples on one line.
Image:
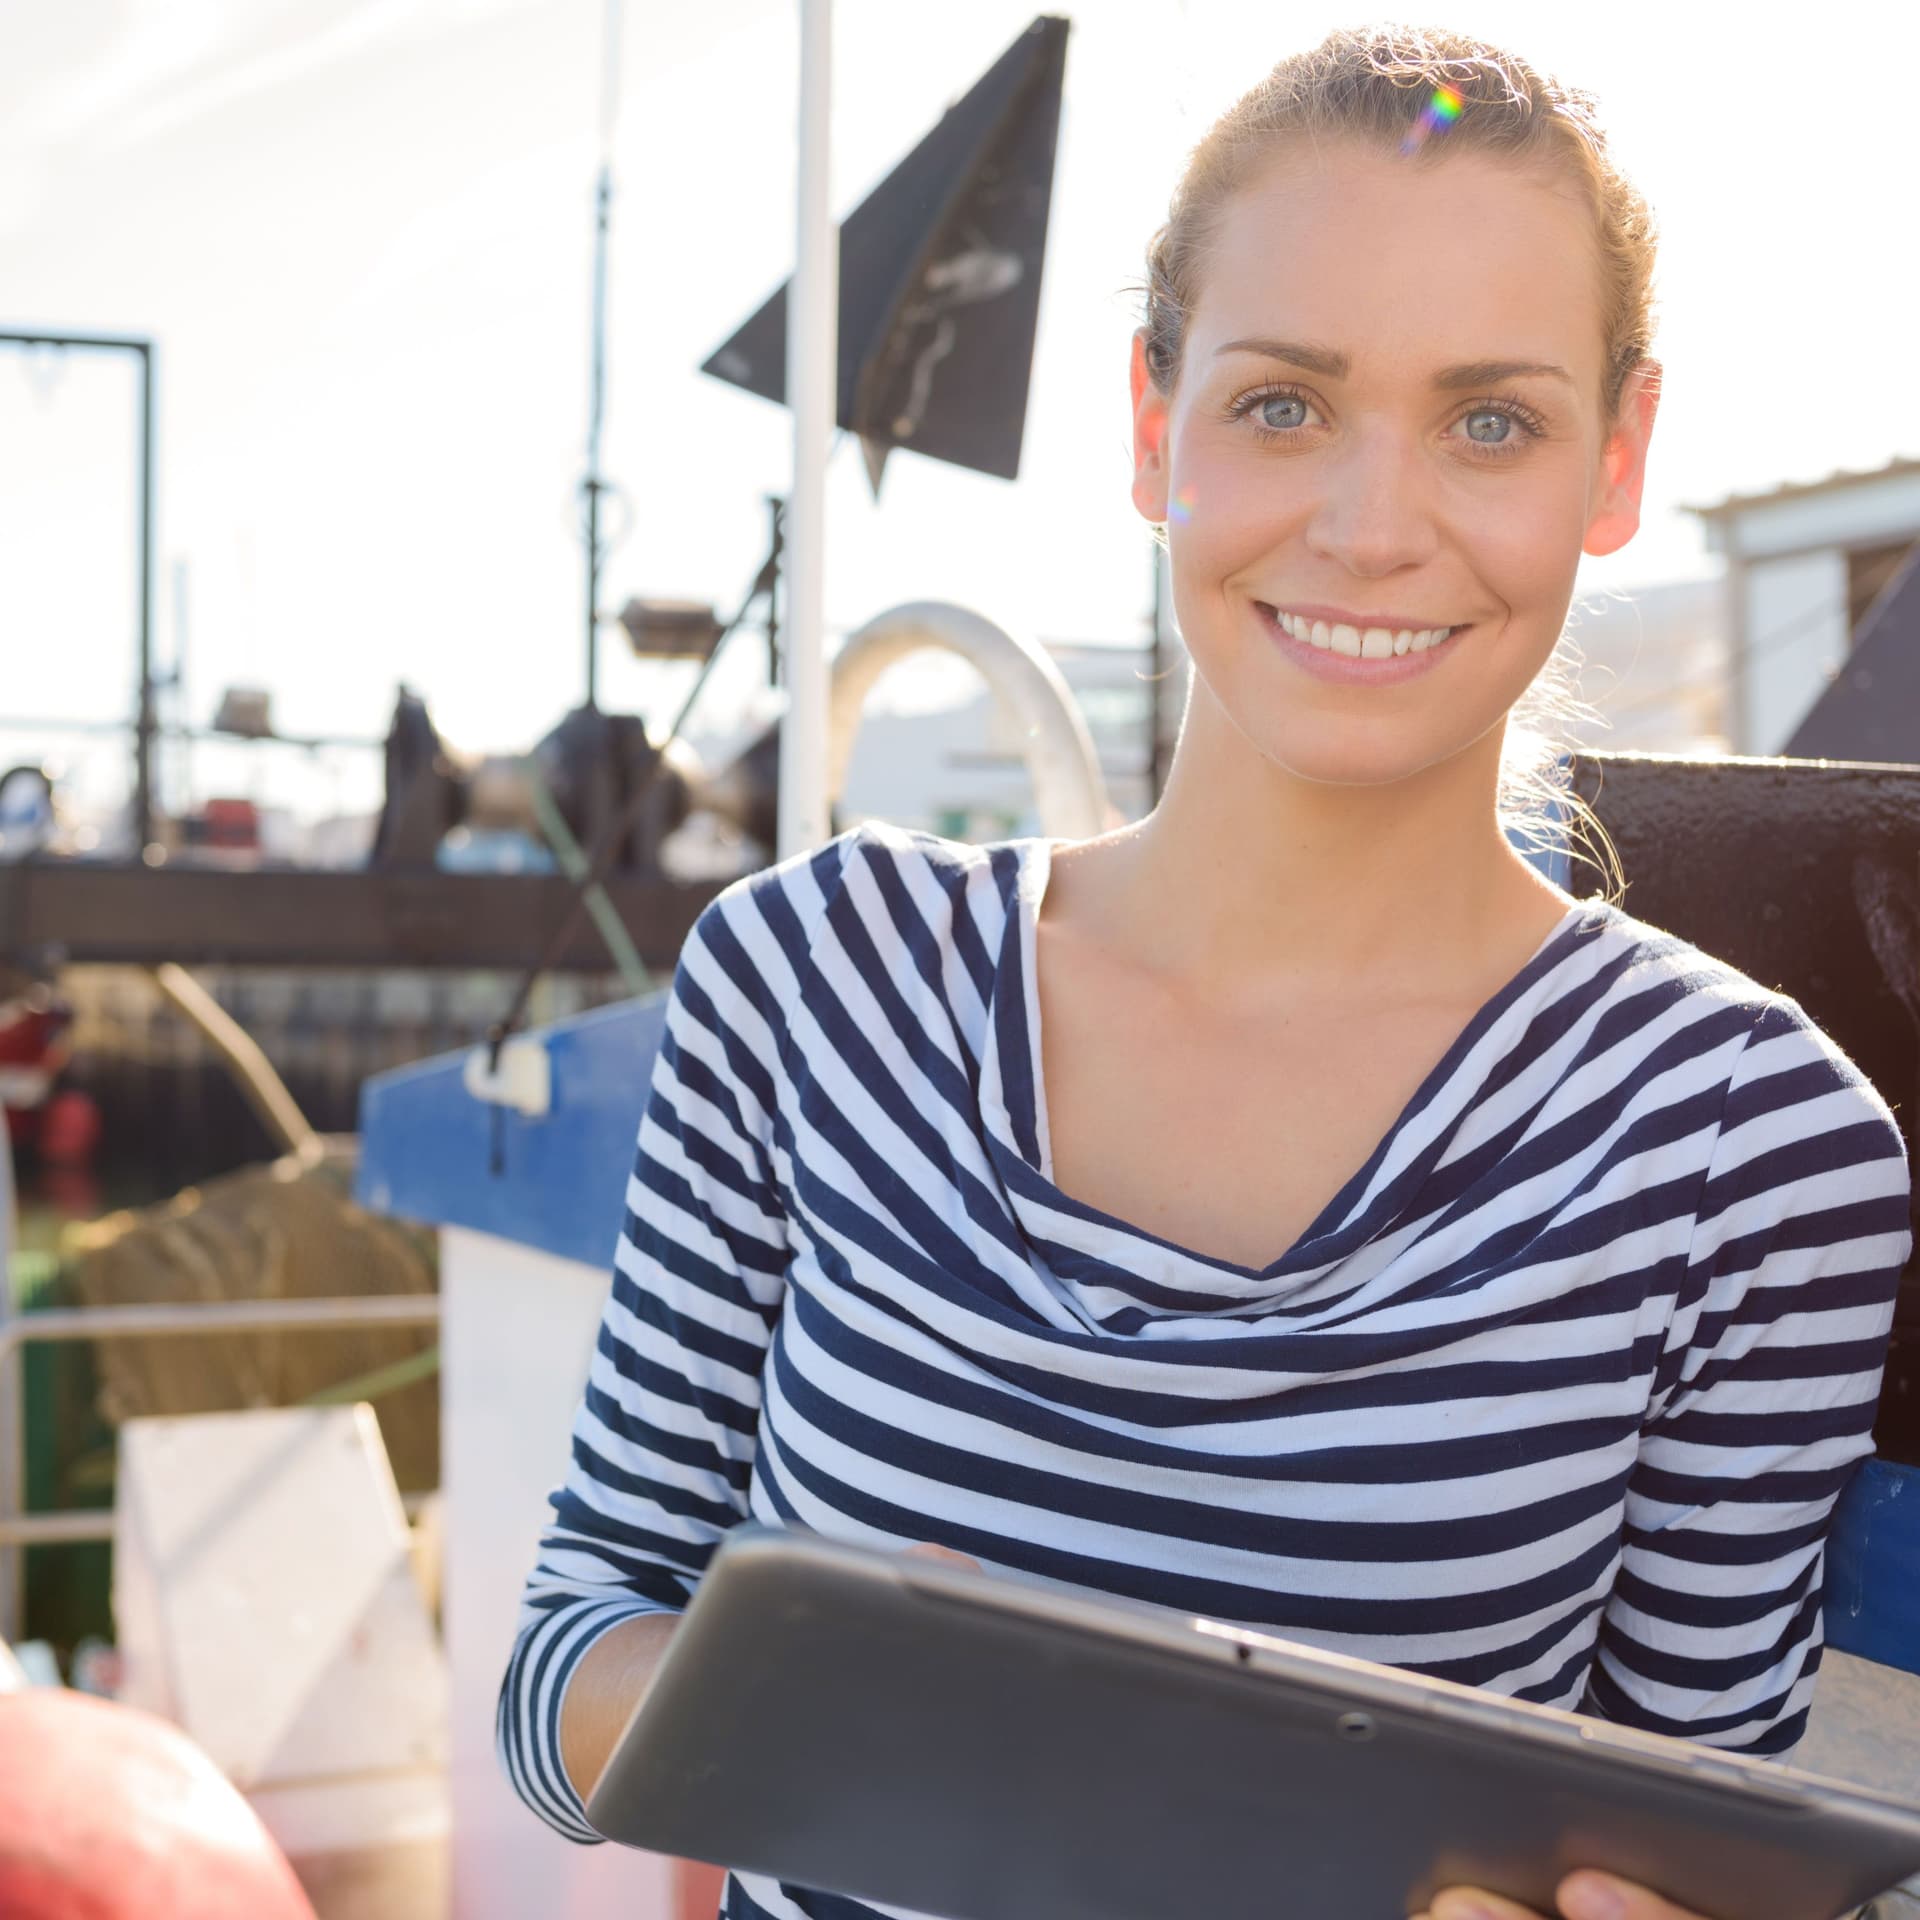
[(812, 381)]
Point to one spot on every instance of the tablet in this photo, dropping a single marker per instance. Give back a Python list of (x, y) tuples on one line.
[(922, 1736)]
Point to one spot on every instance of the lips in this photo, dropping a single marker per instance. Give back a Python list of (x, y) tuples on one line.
[(1387, 665), (1354, 641)]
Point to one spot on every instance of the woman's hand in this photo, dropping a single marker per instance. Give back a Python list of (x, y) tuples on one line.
[(1580, 1896), (928, 1551)]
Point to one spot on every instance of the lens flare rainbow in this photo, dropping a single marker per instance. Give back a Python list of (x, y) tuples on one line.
[(1438, 114)]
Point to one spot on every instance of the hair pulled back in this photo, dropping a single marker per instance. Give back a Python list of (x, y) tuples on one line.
[(1372, 85)]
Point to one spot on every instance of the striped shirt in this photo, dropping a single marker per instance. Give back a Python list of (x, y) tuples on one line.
[(1555, 1397)]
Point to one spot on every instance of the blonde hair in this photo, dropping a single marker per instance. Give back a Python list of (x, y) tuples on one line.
[(1373, 85)]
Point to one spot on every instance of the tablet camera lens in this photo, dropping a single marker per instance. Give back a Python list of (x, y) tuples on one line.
[(1355, 1726)]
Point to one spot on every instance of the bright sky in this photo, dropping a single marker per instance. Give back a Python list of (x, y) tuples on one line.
[(359, 231)]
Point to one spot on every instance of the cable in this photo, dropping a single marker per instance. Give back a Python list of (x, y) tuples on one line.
[(587, 883)]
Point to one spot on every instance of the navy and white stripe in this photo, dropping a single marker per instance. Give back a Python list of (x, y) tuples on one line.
[(1555, 1398)]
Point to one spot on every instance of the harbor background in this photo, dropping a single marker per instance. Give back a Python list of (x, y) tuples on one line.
[(358, 236)]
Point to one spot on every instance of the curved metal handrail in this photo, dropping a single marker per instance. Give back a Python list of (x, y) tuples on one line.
[(1070, 793)]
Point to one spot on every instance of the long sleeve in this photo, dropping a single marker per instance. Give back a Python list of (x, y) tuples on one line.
[(1764, 1402), (665, 1434)]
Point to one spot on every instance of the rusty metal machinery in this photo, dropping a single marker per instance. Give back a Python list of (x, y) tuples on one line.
[(1804, 874)]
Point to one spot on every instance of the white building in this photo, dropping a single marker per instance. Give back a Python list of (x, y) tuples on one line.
[(1804, 564)]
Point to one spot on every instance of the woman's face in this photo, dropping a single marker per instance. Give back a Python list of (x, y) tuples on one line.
[(1387, 419)]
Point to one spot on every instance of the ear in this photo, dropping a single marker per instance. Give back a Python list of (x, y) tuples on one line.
[(1152, 485), (1623, 466)]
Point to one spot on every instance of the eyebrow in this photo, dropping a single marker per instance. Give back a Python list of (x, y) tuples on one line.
[(1336, 366)]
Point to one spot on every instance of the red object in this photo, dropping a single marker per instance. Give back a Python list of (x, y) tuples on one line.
[(30, 1035), (32, 1051), (107, 1813), (69, 1131), (232, 824)]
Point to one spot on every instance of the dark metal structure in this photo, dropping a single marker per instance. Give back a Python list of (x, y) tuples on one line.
[(56, 911), (1805, 876), (940, 277), (145, 720), (1872, 709), (604, 774)]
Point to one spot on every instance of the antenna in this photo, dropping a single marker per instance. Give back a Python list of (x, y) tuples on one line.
[(594, 485)]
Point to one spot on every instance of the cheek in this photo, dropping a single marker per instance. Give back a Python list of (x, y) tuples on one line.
[(1223, 522), (1529, 531)]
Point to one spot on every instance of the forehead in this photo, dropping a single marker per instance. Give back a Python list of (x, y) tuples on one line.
[(1402, 266)]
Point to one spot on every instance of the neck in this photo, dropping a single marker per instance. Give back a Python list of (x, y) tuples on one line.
[(1247, 877)]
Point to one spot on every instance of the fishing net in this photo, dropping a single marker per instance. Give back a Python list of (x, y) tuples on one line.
[(286, 1231)]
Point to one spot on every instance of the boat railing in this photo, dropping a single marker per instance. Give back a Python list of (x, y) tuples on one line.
[(167, 1319)]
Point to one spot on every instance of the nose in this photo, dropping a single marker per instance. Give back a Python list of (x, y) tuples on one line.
[(1375, 511)]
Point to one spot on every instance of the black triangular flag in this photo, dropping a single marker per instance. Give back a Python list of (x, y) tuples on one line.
[(940, 278)]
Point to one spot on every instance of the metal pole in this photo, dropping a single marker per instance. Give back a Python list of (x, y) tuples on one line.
[(157, 1319), (146, 1321), (593, 486), (182, 761), (775, 542), (144, 721), (812, 393), (13, 1436), (80, 1526)]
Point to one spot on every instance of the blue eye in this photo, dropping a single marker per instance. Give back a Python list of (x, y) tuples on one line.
[(1277, 404), (1486, 417)]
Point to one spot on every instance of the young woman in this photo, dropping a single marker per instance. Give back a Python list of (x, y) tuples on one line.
[(1291, 1208)]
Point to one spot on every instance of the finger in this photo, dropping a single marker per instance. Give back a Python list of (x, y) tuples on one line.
[(1588, 1895), (926, 1550), (1475, 1903)]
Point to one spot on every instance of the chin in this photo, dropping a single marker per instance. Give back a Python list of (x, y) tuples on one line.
[(1351, 762)]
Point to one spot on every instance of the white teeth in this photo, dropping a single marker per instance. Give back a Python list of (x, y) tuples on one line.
[(1375, 643)]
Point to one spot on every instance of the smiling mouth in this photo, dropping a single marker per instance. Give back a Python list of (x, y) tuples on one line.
[(1358, 643)]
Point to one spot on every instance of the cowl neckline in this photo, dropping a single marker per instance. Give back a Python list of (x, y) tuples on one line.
[(1136, 1273)]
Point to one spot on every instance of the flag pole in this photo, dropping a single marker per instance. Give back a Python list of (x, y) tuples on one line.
[(812, 384)]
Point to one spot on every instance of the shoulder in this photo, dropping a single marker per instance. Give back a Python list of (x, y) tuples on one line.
[(881, 846), (809, 883), (858, 901), (901, 886), (795, 893), (1774, 1059)]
